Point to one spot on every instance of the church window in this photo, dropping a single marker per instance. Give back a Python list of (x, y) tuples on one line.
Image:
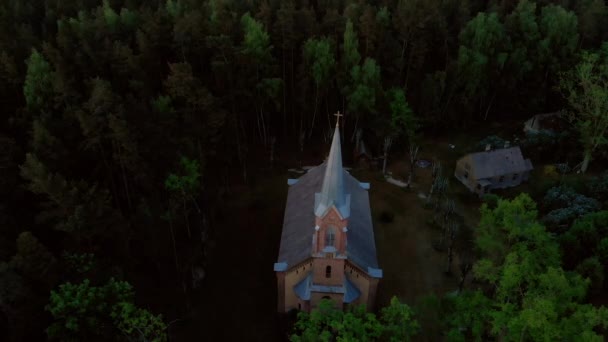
[(330, 237), (328, 272), (299, 306)]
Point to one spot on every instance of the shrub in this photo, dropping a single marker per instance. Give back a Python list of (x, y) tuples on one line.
[(564, 205), (598, 187), (491, 200), (550, 171), (538, 189), (593, 269), (493, 140)]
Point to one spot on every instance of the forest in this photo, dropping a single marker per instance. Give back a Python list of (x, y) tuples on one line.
[(131, 129)]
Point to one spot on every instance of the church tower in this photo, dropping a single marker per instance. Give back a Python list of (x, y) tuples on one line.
[(332, 210)]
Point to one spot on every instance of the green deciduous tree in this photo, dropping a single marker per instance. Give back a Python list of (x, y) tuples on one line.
[(256, 46), (471, 311), (522, 68), (586, 89), (366, 85), (559, 38), (586, 238), (403, 121), (256, 42), (530, 295), (350, 48), (84, 311), (350, 57), (184, 187), (398, 322), (321, 62), (327, 323), (481, 58)]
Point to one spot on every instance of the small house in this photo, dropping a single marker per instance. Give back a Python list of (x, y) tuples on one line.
[(493, 169), (547, 122)]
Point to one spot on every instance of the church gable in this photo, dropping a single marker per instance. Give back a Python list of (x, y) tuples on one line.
[(331, 233)]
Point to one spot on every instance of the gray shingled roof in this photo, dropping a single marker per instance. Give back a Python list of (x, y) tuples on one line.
[(499, 162), (299, 221)]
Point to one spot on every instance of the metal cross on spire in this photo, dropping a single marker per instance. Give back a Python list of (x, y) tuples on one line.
[(338, 115)]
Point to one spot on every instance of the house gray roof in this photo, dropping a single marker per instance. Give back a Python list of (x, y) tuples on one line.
[(499, 162), (299, 220), (545, 121), (332, 191)]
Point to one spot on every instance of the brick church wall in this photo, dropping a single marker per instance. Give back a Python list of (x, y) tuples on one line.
[(293, 277)]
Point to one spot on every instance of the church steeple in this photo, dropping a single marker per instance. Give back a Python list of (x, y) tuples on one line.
[(332, 191)]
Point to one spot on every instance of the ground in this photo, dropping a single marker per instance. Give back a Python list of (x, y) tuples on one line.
[(240, 288)]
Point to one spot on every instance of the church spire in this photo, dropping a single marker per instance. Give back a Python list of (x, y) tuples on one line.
[(332, 191)]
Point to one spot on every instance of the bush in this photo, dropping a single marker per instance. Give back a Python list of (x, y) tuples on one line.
[(593, 269), (550, 171), (491, 200), (598, 187), (564, 205), (538, 189), (493, 140)]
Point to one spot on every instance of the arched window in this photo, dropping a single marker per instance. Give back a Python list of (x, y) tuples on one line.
[(328, 272), (330, 237)]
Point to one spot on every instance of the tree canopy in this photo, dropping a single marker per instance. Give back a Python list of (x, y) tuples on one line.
[(133, 132)]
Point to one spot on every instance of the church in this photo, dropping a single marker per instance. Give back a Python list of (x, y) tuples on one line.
[(327, 247)]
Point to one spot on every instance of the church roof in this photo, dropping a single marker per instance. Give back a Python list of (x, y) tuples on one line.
[(332, 191), (493, 163), (305, 287), (299, 220)]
